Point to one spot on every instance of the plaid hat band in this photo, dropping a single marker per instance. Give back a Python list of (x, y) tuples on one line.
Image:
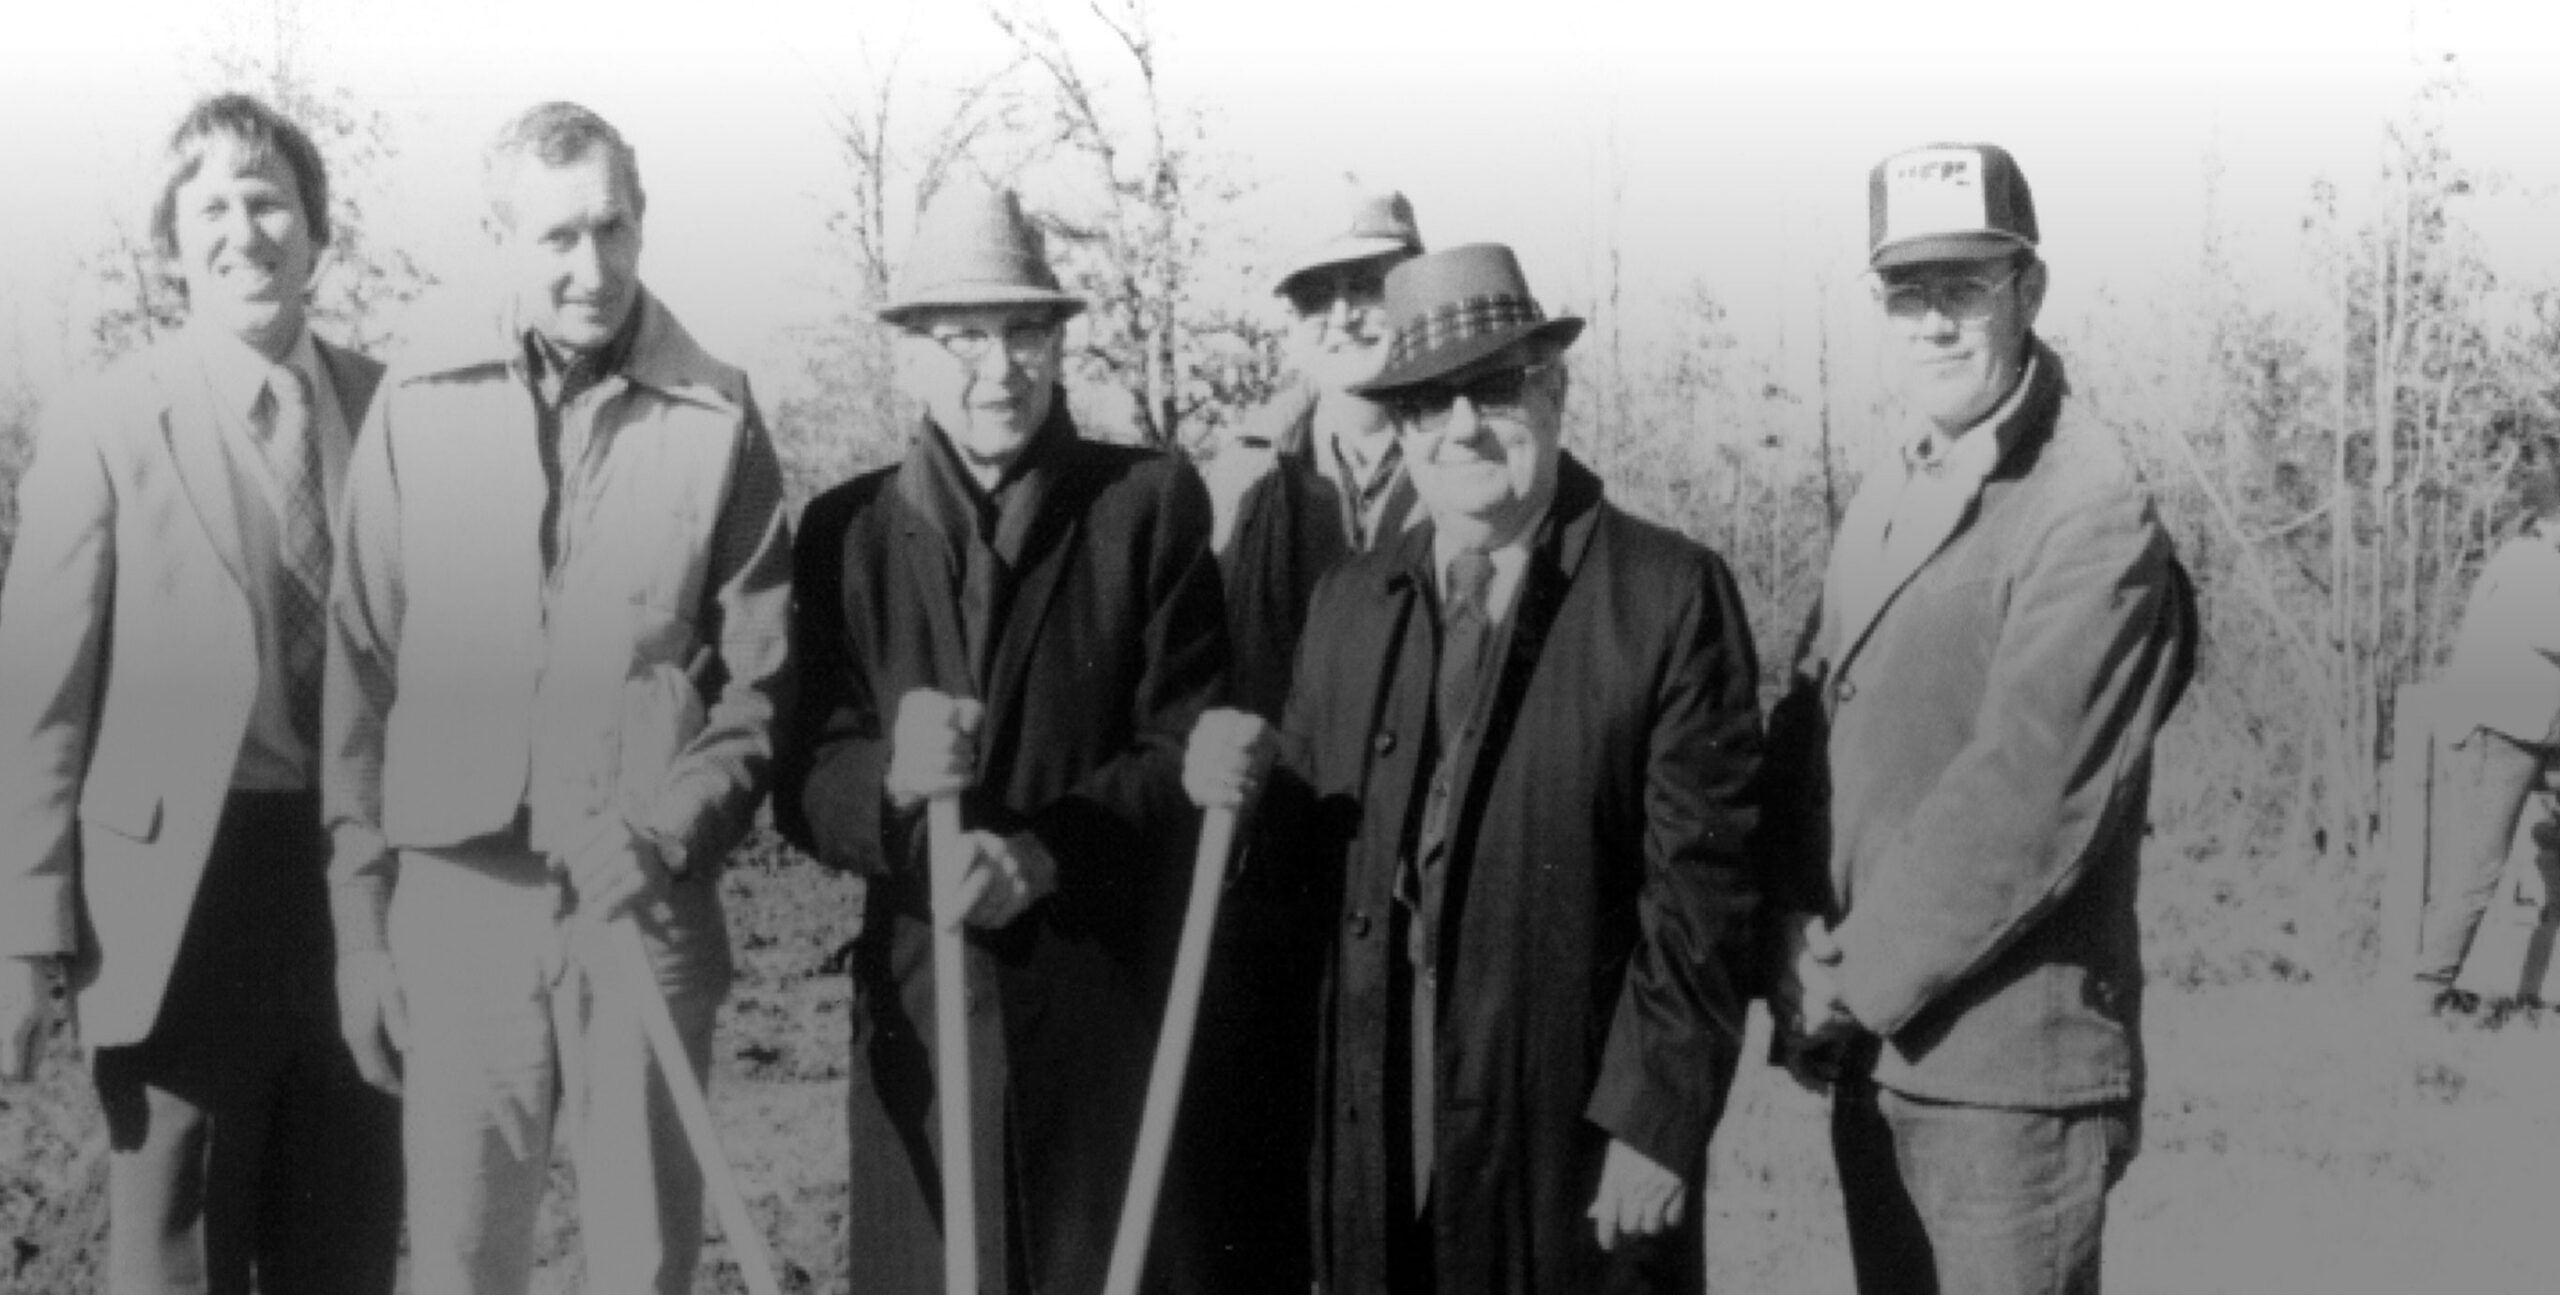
[(1458, 322)]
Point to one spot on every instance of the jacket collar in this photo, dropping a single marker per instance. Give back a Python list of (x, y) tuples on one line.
[(663, 356)]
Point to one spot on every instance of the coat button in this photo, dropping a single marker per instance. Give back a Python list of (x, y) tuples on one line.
[(1844, 691), (1359, 925), (1350, 1114), (1384, 743)]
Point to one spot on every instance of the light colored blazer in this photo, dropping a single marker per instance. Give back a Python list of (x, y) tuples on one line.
[(128, 670), (1983, 732)]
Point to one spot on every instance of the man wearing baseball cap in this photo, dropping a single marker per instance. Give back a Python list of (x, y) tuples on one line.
[(1517, 772), (1959, 775), (1027, 620)]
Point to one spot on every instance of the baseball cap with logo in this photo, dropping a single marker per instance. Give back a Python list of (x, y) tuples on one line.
[(1381, 225), (1948, 202)]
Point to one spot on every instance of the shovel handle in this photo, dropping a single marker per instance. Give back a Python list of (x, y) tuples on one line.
[(951, 1049)]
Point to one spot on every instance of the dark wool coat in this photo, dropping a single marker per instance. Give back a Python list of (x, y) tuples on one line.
[(1110, 645), (1597, 896)]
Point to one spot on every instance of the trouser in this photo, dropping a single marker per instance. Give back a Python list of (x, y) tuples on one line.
[(1974, 1200), (519, 1020), (2479, 790), (243, 1147)]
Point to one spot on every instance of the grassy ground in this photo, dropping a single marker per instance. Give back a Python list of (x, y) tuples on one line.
[(2296, 1140)]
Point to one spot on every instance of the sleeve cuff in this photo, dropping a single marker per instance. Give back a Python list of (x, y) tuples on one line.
[(40, 919)]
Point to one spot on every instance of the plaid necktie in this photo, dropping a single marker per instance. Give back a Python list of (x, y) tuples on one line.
[(285, 428)]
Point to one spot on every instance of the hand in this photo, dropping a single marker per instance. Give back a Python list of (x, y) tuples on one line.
[(1004, 877), (1637, 1198), (1230, 753), (614, 869), (26, 1008), (373, 1017), (1805, 1007), (933, 750)]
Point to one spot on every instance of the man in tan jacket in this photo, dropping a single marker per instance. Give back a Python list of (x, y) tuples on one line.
[(560, 629)]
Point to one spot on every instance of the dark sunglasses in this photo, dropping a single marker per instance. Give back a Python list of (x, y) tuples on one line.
[(1428, 406)]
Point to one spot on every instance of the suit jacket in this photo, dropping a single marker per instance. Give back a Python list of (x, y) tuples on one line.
[(1110, 646), (128, 671), (1596, 904), (1965, 772)]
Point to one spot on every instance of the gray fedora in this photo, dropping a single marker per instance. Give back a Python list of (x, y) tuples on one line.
[(1381, 225), (974, 247)]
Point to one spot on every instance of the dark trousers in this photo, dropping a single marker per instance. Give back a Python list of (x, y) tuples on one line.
[(1973, 1200), (245, 1149)]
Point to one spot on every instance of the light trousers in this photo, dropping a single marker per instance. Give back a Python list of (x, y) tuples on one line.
[(521, 1022)]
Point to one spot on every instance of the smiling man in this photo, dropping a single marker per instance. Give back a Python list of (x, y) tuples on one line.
[(1028, 620), (1959, 776), (161, 642), (1517, 763), (561, 624)]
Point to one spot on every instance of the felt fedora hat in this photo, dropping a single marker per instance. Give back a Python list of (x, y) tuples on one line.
[(974, 247), (1452, 311), (1381, 225), (1948, 202)]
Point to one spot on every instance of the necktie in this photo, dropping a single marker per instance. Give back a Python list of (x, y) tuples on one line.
[(293, 455), (1463, 631)]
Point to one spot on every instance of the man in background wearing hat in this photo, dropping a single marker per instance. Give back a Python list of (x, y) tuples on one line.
[(1959, 776), (560, 629), (1029, 620), (1517, 761), (1312, 478), (1315, 475)]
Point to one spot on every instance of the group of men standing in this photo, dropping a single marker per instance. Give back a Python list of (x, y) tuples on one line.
[(344, 717)]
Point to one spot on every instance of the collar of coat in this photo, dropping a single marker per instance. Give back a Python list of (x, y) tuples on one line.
[(663, 357), (1557, 547), (2030, 418)]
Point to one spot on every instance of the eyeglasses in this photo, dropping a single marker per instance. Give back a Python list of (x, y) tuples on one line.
[(1962, 300), (1314, 294), (1427, 408), (1026, 344)]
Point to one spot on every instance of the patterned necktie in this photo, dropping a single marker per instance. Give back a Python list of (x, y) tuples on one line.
[(293, 454), (1463, 631)]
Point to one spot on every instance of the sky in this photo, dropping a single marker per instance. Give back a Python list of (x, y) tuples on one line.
[(1723, 146)]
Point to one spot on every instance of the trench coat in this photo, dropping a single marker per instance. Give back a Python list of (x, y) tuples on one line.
[(1112, 645), (1594, 936)]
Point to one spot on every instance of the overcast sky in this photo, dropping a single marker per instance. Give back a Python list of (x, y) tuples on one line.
[(1714, 144)]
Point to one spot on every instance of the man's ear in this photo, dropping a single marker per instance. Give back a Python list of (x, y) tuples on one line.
[(2031, 284)]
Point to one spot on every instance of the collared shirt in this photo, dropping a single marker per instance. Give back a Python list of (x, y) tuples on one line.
[(1509, 563), (273, 756), (1365, 486), (1933, 476)]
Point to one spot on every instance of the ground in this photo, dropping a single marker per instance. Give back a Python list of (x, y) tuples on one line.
[(2297, 1139)]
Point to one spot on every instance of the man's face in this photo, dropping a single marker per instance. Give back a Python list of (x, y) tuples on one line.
[(244, 244), (1485, 452), (1957, 333), (1338, 324), (570, 237), (986, 374)]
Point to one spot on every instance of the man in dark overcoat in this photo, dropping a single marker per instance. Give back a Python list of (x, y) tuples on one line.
[(1032, 621), (1516, 772)]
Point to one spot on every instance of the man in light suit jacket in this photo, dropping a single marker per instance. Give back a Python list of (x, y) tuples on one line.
[(160, 666), (1960, 773)]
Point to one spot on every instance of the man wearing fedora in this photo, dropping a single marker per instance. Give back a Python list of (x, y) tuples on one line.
[(1517, 765), (1315, 475), (560, 630), (1312, 478), (1959, 775), (1030, 621)]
